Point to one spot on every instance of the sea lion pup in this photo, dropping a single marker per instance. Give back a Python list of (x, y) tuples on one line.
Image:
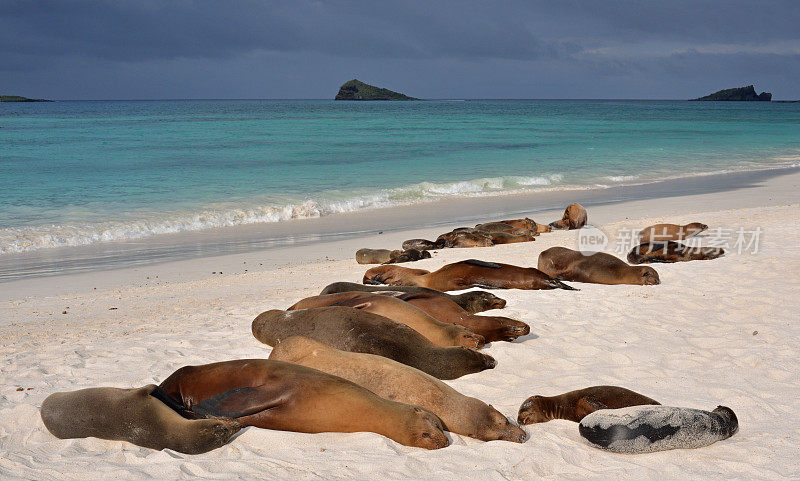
[(575, 405), (421, 245), (465, 238), (392, 380), (408, 255), (133, 415), (575, 217), (439, 333), (386, 256), (670, 232), (286, 397), (671, 252), (465, 274), (597, 268), (646, 429), (355, 330), (492, 328), (472, 301)]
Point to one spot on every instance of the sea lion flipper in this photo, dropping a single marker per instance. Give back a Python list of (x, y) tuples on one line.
[(557, 284), (237, 403), (476, 262), (587, 405)]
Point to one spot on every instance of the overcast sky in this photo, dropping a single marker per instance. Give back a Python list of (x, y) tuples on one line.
[(156, 49)]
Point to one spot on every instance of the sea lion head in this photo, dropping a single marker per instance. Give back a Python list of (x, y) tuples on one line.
[(494, 425), (392, 275), (467, 338), (425, 429), (647, 276), (729, 417), (479, 301), (694, 228), (535, 409)]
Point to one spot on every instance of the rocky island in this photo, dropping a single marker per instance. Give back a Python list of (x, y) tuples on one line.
[(17, 98), (740, 94), (358, 90)]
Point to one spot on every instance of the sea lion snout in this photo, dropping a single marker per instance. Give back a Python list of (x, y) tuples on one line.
[(530, 412)]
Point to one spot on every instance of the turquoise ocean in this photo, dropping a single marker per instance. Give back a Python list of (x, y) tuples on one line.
[(86, 172)]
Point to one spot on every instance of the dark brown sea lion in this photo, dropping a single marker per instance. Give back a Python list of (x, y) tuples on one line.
[(421, 245), (670, 232), (355, 330), (597, 268), (516, 235), (439, 333), (525, 223), (472, 301), (408, 255), (498, 227), (492, 328), (465, 238), (132, 415), (395, 381), (288, 397), (574, 405), (671, 252), (465, 274), (575, 217)]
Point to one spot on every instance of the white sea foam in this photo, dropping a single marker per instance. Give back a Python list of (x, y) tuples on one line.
[(622, 178)]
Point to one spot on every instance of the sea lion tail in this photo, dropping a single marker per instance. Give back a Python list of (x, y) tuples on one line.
[(556, 284)]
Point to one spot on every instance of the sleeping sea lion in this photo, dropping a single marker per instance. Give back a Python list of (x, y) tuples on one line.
[(670, 232), (465, 274), (375, 256), (465, 238), (421, 245), (137, 416), (498, 227), (472, 301), (392, 380), (408, 255), (575, 405), (516, 235), (439, 333), (355, 330), (597, 268), (287, 397), (575, 217), (671, 252), (646, 429)]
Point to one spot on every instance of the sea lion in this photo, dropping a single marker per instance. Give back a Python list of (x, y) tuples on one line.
[(287, 397), (671, 252), (421, 245), (386, 256), (670, 232), (392, 380), (575, 217), (498, 227), (465, 238), (465, 274), (439, 333), (516, 235), (646, 429), (355, 330), (525, 223), (575, 405), (597, 268), (375, 256), (492, 328), (133, 415), (472, 301)]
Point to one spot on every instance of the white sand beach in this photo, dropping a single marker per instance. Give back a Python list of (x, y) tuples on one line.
[(725, 331)]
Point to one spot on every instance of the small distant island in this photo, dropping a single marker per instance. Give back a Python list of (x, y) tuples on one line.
[(740, 94), (17, 98), (358, 90)]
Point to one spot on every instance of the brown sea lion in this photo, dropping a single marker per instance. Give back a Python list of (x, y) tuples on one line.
[(597, 268), (575, 217), (529, 224), (421, 245), (671, 252), (287, 397), (670, 232), (465, 274), (408, 255), (472, 301), (439, 333), (465, 238), (375, 256), (574, 405), (133, 415), (355, 330), (516, 235), (492, 328), (498, 227), (392, 380)]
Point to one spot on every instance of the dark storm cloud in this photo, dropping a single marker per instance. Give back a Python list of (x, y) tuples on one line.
[(430, 48)]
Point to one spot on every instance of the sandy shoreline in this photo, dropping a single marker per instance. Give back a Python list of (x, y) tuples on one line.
[(715, 332)]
